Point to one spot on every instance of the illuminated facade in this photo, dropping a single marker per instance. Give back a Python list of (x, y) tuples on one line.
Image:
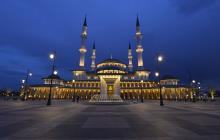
[(110, 77)]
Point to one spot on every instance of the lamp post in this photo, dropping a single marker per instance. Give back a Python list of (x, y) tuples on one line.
[(142, 99), (193, 93), (52, 57), (159, 60), (25, 82), (74, 96)]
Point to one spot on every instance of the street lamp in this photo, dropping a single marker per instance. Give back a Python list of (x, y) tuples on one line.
[(52, 57), (55, 72), (25, 82), (159, 60), (194, 92), (142, 99), (156, 74), (74, 96)]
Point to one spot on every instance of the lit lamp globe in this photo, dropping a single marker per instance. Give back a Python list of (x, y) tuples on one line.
[(160, 58), (51, 56), (156, 74), (22, 81), (30, 74), (55, 72)]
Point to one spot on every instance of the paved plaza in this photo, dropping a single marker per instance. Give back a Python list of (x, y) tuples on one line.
[(67, 120)]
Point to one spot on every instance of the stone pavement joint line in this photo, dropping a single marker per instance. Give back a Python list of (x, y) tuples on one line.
[(67, 120)]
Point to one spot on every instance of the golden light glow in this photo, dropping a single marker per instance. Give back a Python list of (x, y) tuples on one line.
[(138, 33), (115, 75)]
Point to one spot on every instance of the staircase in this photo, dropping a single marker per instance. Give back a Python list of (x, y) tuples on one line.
[(106, 99)]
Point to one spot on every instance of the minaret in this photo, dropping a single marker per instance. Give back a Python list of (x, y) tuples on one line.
[(93, 56), (82, 49), (130, 65), (139, 48)]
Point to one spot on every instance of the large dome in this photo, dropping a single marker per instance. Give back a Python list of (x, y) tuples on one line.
[(111, 66)]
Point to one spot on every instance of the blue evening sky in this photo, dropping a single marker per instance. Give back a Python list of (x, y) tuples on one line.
[(187, 32)]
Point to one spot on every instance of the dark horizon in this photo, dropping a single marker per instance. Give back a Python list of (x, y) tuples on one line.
[(185, 32)]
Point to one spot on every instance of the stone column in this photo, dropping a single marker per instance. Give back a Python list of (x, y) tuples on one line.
[(103, 87), (117, 87)]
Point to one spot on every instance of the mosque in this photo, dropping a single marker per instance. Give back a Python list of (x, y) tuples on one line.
[(111, 77)]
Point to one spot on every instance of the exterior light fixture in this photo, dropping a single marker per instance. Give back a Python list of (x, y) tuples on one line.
[(160, 58), (55, 72), (52, 56), (157, 74)]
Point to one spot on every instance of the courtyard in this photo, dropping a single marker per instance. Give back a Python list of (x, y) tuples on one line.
[(148, 120)]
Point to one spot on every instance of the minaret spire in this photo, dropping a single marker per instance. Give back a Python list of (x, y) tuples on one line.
[(137, 22), (130, 64), (83, 49), (93, 56), (139, 48), (85, 22)]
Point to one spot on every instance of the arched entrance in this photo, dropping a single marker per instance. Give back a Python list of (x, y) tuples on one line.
[(110, 89)]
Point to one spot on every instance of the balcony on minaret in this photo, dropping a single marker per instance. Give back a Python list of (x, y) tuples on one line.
[(93, 53), (93, 56), (84, 34), (130, 57), (83, 49), (138, 33), (139, 49)]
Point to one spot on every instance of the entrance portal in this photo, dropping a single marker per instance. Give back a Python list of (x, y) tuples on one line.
[(110, 85), (110, 90)]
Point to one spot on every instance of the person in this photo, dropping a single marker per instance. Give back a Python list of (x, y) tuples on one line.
[(77, 99)]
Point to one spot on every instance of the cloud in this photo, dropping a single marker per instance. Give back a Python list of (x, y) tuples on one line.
[(18, 61), (192, 6), (14, 64)]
